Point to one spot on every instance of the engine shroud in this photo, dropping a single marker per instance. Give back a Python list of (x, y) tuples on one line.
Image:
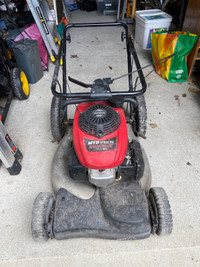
[(100, 135)]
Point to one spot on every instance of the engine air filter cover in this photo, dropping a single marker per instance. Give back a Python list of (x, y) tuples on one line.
[(100, 135), (99, 120)]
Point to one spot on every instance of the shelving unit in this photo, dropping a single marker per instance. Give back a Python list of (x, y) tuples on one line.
[(192, 24), (193, 56)]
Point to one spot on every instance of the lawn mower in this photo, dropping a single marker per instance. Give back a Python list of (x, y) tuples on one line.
[(100, 173)]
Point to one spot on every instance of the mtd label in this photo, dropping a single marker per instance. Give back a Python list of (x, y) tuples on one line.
[(100, 145)]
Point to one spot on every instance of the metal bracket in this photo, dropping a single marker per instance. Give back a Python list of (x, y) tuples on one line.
[(137, 158), (68, 38), (123, 36), (101, 88)]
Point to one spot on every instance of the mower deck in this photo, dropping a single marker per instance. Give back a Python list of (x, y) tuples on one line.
[(119, 211)]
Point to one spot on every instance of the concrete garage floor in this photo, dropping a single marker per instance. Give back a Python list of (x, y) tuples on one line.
[(172, 145)]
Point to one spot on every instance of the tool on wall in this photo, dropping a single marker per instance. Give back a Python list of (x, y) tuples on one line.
[(126, 11)]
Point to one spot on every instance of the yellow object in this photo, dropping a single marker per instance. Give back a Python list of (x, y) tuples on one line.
[(56, 40), (9, 53), (133, 9), (52, 58), (128, 11), (61, 62), (24, 82)]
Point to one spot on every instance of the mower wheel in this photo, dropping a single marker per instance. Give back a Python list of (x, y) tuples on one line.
[(41, 216), (58, 119), (141, 116), (19, 83), (160, 211)]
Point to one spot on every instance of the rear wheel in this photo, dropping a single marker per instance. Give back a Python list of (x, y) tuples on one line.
[(58, 119), (41, 217), (160, 212), (139, 116), (19, 83)]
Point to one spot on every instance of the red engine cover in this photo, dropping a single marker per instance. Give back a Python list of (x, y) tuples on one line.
[(100, 153)]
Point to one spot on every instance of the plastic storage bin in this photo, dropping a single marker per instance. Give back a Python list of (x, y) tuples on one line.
[(149, 21), (27, 56), (107, 7)]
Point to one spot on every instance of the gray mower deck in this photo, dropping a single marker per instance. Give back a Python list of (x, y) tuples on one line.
[(119, 211)]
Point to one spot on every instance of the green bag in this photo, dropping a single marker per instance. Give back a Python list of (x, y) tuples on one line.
[(165, 44)]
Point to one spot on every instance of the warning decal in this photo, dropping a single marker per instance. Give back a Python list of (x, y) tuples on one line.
[(10, 142)]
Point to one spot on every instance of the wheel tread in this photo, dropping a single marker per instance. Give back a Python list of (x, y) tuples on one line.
[(165, 223), (141, 115), (57, 119), (39, 213), (16, 84)]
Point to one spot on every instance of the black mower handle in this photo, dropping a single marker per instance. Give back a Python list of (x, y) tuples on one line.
[(76, 97)]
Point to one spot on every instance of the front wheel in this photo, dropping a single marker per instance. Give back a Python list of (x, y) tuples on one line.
[(42, 217), (160, 211), (19, 83)]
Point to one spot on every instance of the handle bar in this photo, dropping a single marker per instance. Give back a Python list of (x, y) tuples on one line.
[(87, 96)]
